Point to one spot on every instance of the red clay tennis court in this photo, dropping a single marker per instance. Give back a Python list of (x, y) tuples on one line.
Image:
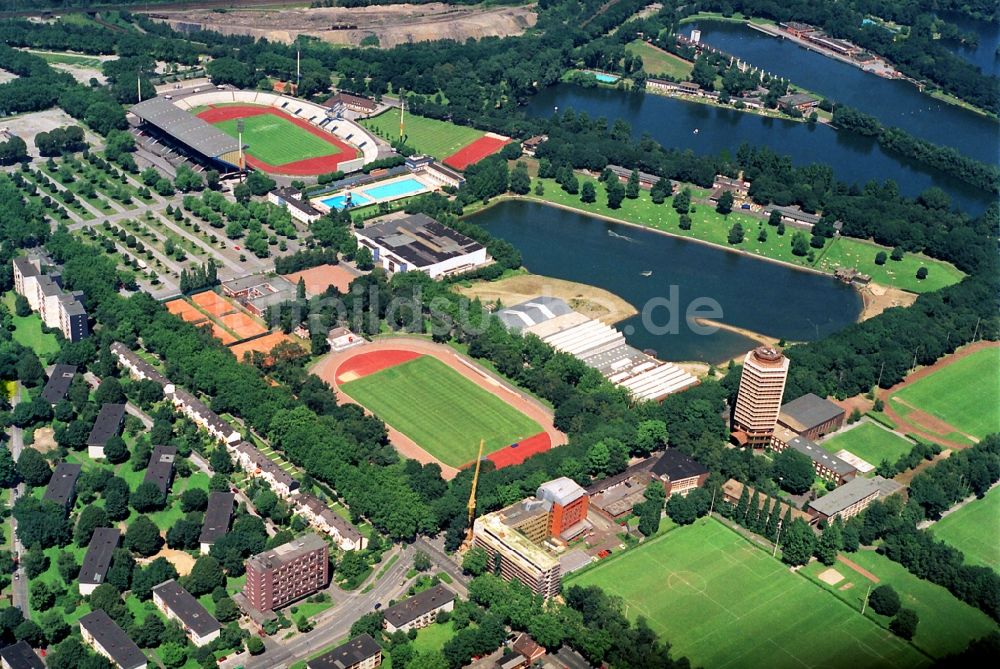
[(364, 364), (242, 325), (185, 310), (486, 145), (340, 151), (263, 344), (319, 278), (517, 453), (213, 303), (219, 333)]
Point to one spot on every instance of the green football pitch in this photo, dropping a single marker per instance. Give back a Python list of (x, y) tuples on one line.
[(722, 602), (973, 530), (427, 135), (277, 140), (965, 394), (871, 443), (444, 413)]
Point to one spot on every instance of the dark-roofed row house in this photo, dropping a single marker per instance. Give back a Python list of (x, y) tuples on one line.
[(104, 635), (20, 656), (160, 470), (97, 560), (180, 605), (217, 516), (420, 610), (108, 424), (361, 652), (62, 486)]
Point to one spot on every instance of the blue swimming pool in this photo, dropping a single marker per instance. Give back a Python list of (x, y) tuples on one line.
[(394, 189), (606, 78), (337, 201)]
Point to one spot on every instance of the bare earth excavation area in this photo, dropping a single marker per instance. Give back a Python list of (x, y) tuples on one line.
[(392, 24)]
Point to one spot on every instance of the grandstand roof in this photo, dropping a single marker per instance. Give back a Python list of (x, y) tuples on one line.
[(185, 126)]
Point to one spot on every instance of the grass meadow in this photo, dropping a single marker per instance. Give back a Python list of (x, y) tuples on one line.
[(277, 140), (870, 442), (427, 135), (710, 226), (947, 625), (965, 394), (723, 602), (973, 530), (443, 412), (657, 62)]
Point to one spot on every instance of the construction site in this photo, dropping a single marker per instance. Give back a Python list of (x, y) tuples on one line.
[(390, 24)]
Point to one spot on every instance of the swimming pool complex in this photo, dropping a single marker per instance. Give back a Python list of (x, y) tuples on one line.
[(606, 78), (386, 191)]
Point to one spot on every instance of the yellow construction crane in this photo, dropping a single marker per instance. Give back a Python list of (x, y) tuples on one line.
[(472, 498)]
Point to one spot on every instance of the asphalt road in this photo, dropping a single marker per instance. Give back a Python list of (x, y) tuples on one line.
[(19, 587)]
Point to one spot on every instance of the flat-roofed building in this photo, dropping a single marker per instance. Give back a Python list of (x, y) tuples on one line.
[(20, 656), (257, 292), (362, 652), (104, 635), (403, 243), (811, 416), (180, 605), (758, 402), (679, 473), (39, 282), (62, 486), (826, 464), (853, 497), (326, 520), (418, 611), (108, 424), (288, 572), (218, 513), (60, 379), (801, 101), (297, 205), (97, 560), (160, 470), (520, 557)]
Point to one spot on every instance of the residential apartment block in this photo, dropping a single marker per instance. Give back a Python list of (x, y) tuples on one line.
[(418, 611), (287, 573), (62, 486), (20, 656), (40, 283), (180, 605), (512, 533), (104, 635), (324, 519), (97, 559), (359, 653), (218, 513), (108, 424)]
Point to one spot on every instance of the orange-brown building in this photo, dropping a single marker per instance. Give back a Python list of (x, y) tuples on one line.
[(758, 402), (570, 503)]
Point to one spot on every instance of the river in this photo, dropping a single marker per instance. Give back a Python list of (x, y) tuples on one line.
[(754, 294), (984, 55), (672, 122), (894, 102)]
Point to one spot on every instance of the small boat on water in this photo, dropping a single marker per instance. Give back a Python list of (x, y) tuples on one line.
[(696, 131), (648, 272)]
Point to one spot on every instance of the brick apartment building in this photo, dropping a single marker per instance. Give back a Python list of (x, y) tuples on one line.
[(287, 573)]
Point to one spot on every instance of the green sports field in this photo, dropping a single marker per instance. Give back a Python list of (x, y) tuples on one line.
[(870, 442), (427, 135), (440, 410), (657, 62), (277, 140), (973, 529), (722, 602), (947, 624), (965, 394)]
